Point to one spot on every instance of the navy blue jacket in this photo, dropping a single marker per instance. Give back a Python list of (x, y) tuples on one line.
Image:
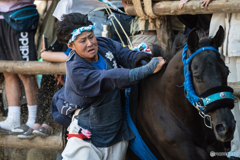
[(85, 81), (97, 92)]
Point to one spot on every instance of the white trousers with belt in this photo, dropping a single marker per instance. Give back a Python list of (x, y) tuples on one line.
[(78, 149)]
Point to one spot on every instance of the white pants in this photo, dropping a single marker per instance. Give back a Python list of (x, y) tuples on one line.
[(230, 23), (233, 64), (77, 149), (235, 145)]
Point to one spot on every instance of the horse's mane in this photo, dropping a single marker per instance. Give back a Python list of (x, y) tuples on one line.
[(179, 42)]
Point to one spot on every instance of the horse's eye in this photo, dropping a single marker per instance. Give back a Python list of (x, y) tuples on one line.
[(197, 78)]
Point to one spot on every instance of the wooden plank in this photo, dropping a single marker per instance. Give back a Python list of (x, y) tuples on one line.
[(192, 7), (32, 67), (50, 142)]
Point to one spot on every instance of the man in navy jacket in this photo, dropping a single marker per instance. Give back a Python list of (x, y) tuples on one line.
[(97, 73)]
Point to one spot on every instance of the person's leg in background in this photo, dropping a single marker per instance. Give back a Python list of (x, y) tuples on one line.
[(233, 64), (31, 90), (232, 60), (26, 40), (13, 92), (47, 91), (18, 46), (234, 154), (9, 50), (44, 98), (25, 51)]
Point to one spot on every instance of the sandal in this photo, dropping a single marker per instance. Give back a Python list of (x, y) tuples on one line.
[(27, 135), (43, 132), (4, 131), (20, 130)]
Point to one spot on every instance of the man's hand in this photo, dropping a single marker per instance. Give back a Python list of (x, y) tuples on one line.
[(125, 3), (161, 62), (59, 79), (205, 3), (43, 48), (182, 2)]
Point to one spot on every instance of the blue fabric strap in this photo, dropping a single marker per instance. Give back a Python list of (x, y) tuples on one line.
[(137, 145), (188, 60), (217, 96), (188, 84)]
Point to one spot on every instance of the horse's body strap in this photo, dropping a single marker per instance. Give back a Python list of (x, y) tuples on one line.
[(137, 145)]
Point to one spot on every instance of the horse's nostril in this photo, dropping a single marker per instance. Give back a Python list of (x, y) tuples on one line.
[(221, 129)]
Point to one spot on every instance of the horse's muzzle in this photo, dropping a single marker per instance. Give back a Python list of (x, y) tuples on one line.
[(225, 132)]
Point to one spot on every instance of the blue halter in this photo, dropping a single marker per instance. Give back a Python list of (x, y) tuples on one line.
[(188, 84)]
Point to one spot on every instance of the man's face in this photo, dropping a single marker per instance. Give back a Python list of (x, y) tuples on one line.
[(86, 46)]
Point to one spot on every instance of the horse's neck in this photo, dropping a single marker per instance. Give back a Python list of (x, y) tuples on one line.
[(172, 82)]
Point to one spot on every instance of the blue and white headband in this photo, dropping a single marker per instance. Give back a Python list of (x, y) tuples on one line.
[(78, 31)]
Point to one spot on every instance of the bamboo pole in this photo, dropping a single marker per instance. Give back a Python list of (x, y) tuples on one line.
[(32, 67), (192, 7), (50, 142)]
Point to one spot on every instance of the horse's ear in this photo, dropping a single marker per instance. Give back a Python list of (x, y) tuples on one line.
[(193, 41), (219, 37)]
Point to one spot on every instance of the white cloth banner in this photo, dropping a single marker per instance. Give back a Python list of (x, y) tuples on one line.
[(80, 6)]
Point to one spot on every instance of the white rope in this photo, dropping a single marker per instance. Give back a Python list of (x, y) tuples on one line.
[(114, 27), (112, 15)]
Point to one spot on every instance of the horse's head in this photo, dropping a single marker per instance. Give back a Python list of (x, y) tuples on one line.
[(209, 76)]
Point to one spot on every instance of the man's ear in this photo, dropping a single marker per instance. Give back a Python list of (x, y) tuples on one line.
[(219, 37), (192, 41), (71, 46)]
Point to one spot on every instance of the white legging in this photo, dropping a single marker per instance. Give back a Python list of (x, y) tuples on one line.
[(233, 64)]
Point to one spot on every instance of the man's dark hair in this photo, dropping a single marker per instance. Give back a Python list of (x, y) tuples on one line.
[(69, 23)]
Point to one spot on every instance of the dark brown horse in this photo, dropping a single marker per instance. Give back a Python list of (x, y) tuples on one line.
[(170, 126)]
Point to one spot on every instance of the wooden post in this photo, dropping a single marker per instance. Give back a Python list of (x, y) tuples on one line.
[(32, 67), (164, 33)]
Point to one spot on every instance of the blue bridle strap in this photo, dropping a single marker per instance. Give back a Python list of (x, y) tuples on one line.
[(217, 96), (188, 60), (188, 84)]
